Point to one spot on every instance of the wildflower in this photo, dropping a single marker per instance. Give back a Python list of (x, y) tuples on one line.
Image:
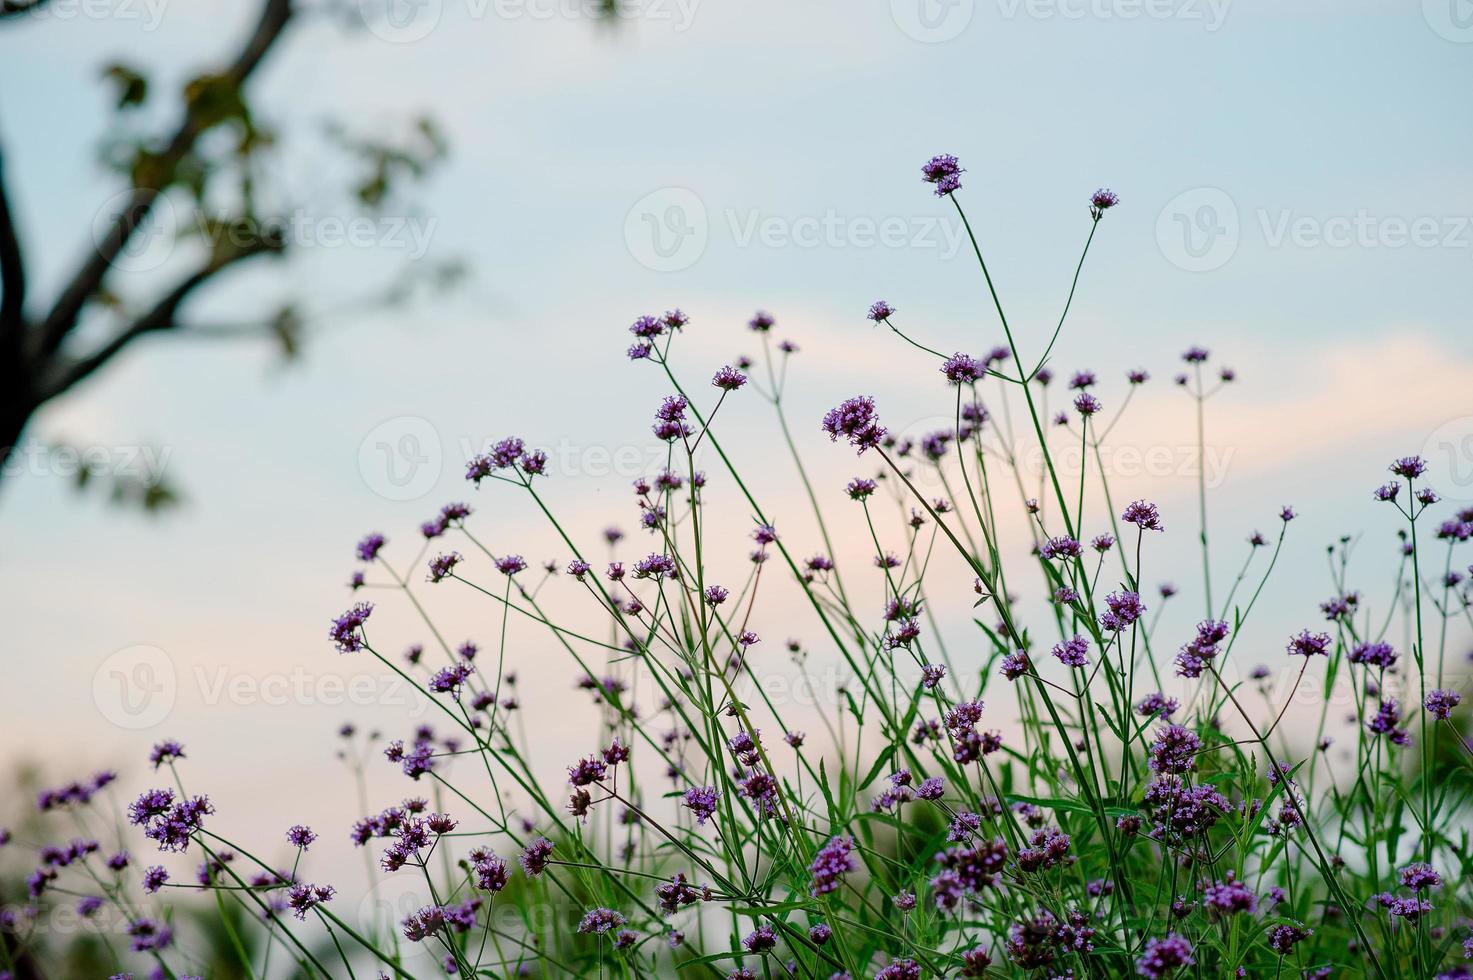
[(1375, 654), (1419, 877), (1073, 652), (491, 873), (1442, 702), (760, 940), (370, 546), (1194, 355), (701, 801), (345, 629), (831, 863), (1014, 665), (715, 595), (880, 310), (679, 893), (302, 898), (1387, 492), (1102, 201), (1283, 938), (535, 856), (1307, 644), (1061, 547), (154, 878), (655, 566), (442, 566), (165, 752), (1157, 704), (1125, 607), (901, 969), (1174, 750), (1230, 896), (931, 675), (1102, 542), (1143, 515), (728, 378), (1165, 957), (1409, 467), (147, 936), (945, 172), (856, 421), (931, 788), (300, 836), (820, 934), (600, 920), (962, 368), (511, 564), (1086, 404), (761, 322)]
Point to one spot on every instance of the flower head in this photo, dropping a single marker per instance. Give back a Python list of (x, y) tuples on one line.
[(945, 172)]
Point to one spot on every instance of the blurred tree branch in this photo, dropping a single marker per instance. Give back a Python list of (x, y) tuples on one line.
[(43, 354)]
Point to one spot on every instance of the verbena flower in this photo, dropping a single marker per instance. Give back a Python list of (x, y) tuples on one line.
[(945, 172), (856, 421), (832, 862)]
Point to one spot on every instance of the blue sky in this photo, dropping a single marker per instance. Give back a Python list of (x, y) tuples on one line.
[(1318, 154)]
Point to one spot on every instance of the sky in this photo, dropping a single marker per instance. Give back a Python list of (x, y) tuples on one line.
[(1295, 196)]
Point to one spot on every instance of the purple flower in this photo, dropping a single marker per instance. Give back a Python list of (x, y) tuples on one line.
[(165, 752), (154, 878), (655, 566), (1014, 665), (1143, 515), (701, 800), (441, 566), (1101, 201), (1194, 355), (302, 898), (962, 368), (535, 856), (1375, 654), (1086, 404), (300, 836), (600, 920), (147, 936), (1157, 704), (344, 631), (1073, 652), (1229, 896), (1283, 938), (761, 322), (370, 546), (1174, 750), (856, 421), (831, 863), (880, 310), (820, 934), (1125, 607), (1419, 877), (859, 488), (1409, 467), (1307, 644), (931, 675), (945, 172), (1164, 957), (1061, 547), (510, 564), (728, 378), (760, 940), (1442, 702)]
